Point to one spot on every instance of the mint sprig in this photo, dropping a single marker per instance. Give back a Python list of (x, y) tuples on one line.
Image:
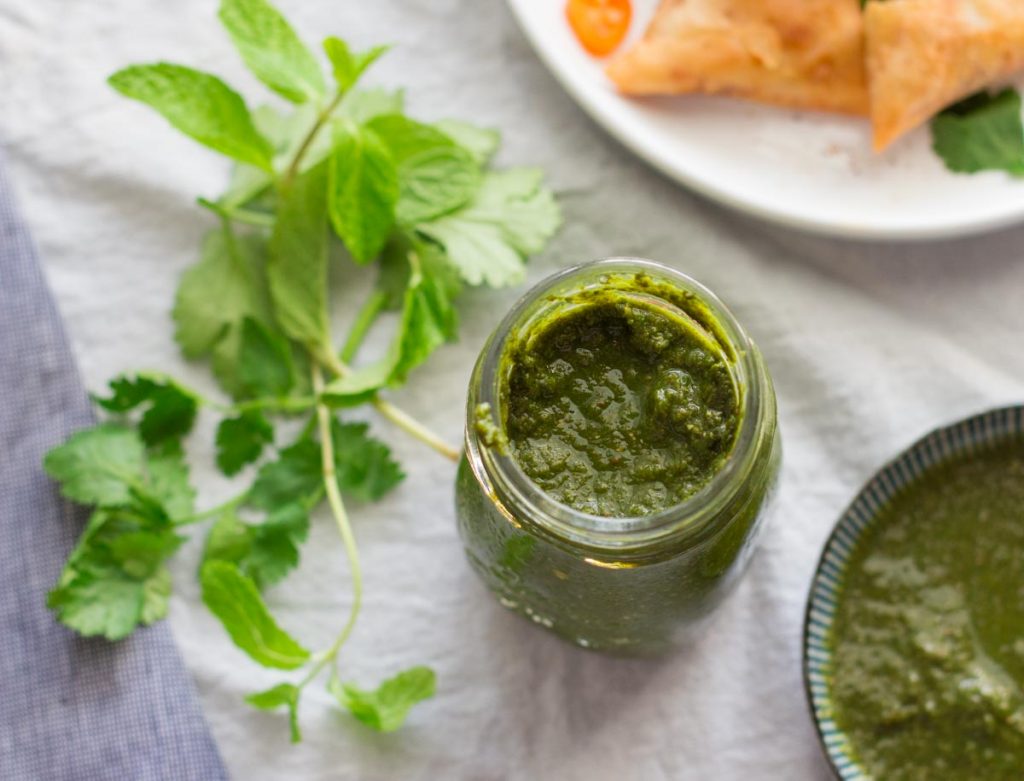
[(345, 177), (985, 132)]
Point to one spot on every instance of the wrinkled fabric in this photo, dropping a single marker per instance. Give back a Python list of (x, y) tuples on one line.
[(70, 708), (870, 345)]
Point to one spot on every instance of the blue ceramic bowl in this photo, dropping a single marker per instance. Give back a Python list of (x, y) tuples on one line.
[(941, 445)]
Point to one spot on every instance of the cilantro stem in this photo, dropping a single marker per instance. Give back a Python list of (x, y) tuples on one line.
[(344, 527), (293, 167), (396, 415), (410, 425), (365, 318), (273, 404), (230, 504)]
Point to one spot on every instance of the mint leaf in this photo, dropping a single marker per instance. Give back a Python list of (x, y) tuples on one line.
[(364, 464), (264, 361), (428, 317), (219, 291), (481, 143), (510, 217), (235, 600), (283, 694), (358, 386), (386, 708), (271, 49), (240, 441), (296, 476), (426, 297), (362, 105), (170, 410), (362, 191), (435, 175), (349, 66), (114, 578), (297, 269), (199, 105), (984, 132), (266, 551), (99, 465)]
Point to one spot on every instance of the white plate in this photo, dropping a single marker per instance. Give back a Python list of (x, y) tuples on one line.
[(806, 170)]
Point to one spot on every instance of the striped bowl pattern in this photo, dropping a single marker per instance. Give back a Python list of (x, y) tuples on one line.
[(965, 437)]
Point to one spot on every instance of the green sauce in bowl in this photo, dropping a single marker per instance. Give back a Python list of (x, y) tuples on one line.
[(925, 675)]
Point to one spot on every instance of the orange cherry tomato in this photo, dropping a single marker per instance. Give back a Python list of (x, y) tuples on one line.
[(600, 25)]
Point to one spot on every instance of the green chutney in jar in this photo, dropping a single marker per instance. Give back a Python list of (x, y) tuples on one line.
[(621, 445)]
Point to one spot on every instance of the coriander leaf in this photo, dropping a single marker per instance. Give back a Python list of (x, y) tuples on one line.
[(297, 269), (234, 599), (364, 464), (199, 105), (219, 290), (168, 483), (349, 66), (140, 554), (386, 708), (240, 440), (362, 191), (114, 579), (266, 551), (296, 476), (105, 601), (480, 142), (362, 105), (170, 409), (283, 694), (435, 175), (99, 465), (984, 132), (510, 217), (271, 49), (264, 361)]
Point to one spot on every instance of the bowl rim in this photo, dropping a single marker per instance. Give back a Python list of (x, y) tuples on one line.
[(938, 446)]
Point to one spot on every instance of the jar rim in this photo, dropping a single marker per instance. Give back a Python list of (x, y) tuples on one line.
[(692, 515)]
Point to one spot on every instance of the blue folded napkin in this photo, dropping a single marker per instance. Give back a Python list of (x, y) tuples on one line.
[(70, 708)]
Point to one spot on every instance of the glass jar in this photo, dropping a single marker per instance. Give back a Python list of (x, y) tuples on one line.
[(631, 585)]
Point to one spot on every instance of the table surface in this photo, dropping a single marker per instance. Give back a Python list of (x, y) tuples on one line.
[(870, 345)]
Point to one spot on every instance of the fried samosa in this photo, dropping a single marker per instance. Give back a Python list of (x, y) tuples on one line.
[(923, 55), (797, 53)]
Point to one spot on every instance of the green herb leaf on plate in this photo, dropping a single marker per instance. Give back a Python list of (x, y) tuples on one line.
[(983, 133)]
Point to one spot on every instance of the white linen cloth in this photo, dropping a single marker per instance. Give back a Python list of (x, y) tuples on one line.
[(870, 345)]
